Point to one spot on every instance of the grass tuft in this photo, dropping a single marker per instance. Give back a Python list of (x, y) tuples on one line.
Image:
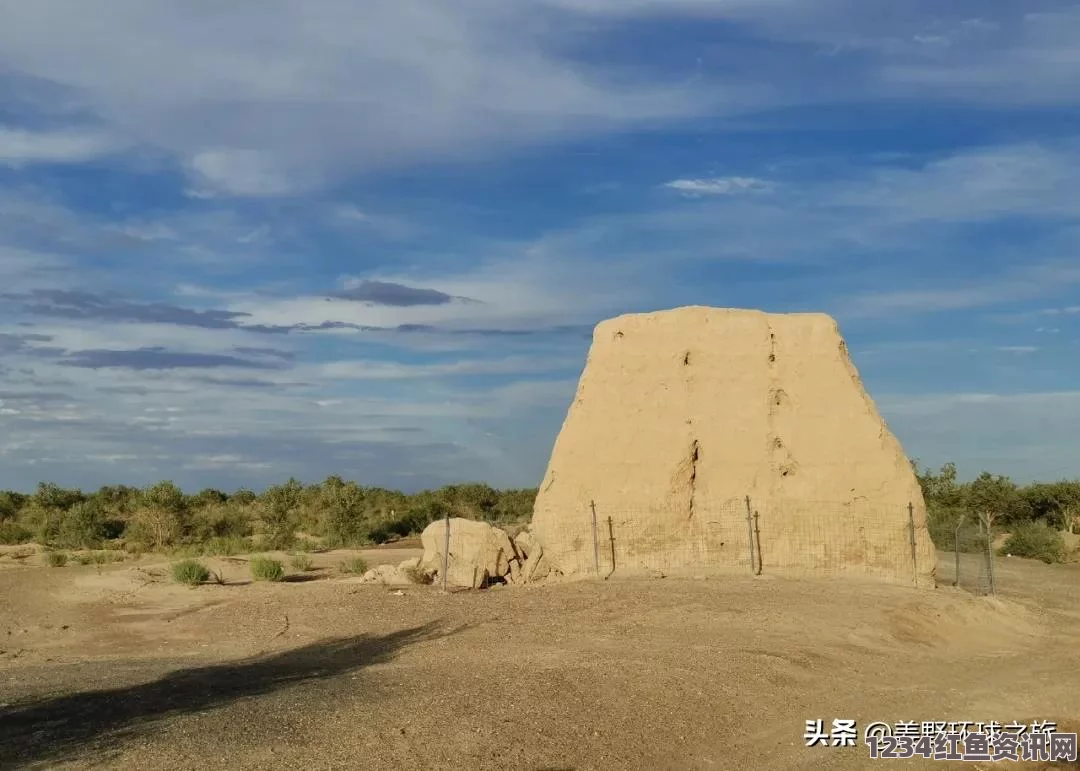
[(266, 569), (302, 562), (56, 559), (353, 565), (190, 572)]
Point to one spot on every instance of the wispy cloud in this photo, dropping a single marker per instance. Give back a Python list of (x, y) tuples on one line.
[(696, 188), (1031, 282), (391, 293), (158, 358), (19, 147)]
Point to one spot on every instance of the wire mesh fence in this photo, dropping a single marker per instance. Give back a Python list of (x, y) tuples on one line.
[(857, 538), (787, 537), (969, 549)]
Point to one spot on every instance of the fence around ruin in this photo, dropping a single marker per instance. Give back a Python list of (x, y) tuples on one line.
[(968, 555), (780, 537)]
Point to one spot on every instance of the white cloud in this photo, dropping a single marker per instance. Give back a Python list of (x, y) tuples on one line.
[(382, 370), (260, 101), (1033, 60), (717, 186), (980, 184), (257, 101), (19, 147), (1026, 436), (237, 173), (1029, 282)]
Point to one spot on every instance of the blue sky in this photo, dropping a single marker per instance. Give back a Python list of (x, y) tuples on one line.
[(244, 242)]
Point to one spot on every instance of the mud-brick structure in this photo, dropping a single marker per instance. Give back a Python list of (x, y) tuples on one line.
[(682, 417)]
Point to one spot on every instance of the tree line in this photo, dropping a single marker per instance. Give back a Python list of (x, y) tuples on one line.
[(1035, 514), (334, 513), (337, 512)]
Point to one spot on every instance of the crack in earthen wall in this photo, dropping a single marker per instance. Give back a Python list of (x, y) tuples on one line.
[(695, 451), (695, 448), (774, 387)]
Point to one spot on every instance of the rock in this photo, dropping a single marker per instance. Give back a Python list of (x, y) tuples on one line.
[(479, 552), (682, 414), (525, 544), (536, 567), (514, 576), (388, 575), (415, 571)]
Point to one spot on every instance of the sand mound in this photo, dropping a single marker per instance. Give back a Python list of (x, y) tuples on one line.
[(682, 415)]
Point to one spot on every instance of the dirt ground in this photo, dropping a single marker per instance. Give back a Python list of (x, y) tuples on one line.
[(116, 667)]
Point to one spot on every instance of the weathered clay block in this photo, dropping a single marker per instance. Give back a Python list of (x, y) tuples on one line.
[(388, 575), (679, 415), (524, 544), (479, 552)]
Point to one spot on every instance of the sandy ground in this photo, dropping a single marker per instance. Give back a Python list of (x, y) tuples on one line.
[(115, 667)]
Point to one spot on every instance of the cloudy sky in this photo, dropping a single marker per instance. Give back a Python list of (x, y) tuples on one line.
[(250, 240)]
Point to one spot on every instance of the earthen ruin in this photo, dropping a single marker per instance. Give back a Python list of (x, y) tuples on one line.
[(708, 439)]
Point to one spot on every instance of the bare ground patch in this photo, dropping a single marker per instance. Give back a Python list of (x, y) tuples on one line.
[(117, 666)]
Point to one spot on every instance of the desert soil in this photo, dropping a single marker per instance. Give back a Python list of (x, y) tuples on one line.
[(116, 667)]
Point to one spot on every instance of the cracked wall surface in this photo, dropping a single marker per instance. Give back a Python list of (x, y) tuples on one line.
[(681, 414)]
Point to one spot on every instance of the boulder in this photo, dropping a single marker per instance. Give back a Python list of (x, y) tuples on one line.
[(536, 567), (524, 543), (388, 575), (682, 415), (479, 552)]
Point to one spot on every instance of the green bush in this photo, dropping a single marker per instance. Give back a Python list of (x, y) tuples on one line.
[(226, 546), (81, 526), (56, 559), (12, 533), (190, 572), (302, 562), (266, 569), (1036, 541), (354, 565)]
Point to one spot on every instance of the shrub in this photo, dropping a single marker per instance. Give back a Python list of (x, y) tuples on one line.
[(81, 526), (226, 546), (354, 565), (12, 533), (220, 522), (1036, 541), (190, 572), (154, 529), (266, 569), (105, 557), (56, 559), (302, 562)]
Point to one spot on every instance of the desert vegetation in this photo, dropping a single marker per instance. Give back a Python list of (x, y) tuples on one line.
[(190, 572), (291, 516), (337, 513), (1035, 515), (267, 569)]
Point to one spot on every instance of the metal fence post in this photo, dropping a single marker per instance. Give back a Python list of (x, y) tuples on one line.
[(985, 520), (757, 537), (750, 532), (446, 554), (914, 556), (956, 549), (595, 540), (611, 540)]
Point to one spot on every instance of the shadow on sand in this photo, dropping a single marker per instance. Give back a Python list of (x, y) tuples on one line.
[(61, 728)]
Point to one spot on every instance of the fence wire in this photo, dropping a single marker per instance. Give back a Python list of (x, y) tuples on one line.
[(782, 537), (969, 553)]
